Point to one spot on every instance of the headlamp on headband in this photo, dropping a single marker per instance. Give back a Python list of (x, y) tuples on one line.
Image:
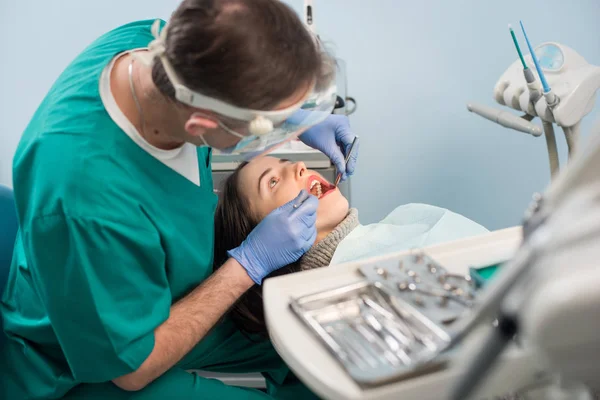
[(264, 126)]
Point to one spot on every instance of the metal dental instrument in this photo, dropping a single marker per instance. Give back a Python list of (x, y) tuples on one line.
[(393, 344), (352, 339), (418, 257), (412, 287), (351, 351), (432, 268), (374, 340), (333, 345), (399, 336), (352, 346), (467, 278), (339, 175), (387, 310), (393, 328), (302, 200), (389, 318), (382, 272), (415, 326), (460, 285)]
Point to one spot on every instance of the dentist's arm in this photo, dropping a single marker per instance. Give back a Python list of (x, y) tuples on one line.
[(280, 239), (189, 321)]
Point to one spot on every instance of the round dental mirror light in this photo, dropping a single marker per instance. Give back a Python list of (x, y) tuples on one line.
[(550, 57)]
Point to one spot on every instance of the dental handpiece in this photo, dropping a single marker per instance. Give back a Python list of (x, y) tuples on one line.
[(339, 175)]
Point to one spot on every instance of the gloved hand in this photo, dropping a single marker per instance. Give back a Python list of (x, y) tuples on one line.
[(333, 137), (279, 239)]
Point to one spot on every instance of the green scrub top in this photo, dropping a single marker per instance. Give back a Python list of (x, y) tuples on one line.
[(109, 237)]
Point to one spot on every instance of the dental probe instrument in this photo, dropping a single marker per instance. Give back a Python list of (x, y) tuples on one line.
[(535, 89), (302, 199), (339, 176), (551, 99), (516, 42)]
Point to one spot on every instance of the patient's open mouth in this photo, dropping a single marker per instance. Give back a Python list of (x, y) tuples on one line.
[(319, 187)]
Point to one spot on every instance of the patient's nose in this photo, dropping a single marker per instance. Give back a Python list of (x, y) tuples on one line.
[(300, 170)]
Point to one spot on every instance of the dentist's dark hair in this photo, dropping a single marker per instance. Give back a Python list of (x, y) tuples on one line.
[(233, 223), (250, 53)]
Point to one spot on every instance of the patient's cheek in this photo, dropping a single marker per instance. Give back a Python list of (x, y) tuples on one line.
[(287, 197), (266, 206)]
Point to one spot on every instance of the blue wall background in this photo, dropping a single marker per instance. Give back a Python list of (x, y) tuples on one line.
[(412, 66)]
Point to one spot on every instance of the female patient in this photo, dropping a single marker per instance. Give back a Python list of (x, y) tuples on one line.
[(258, 187)]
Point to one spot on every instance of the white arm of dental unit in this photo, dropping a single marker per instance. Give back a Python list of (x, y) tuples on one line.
[(505, 119), (555, 303)]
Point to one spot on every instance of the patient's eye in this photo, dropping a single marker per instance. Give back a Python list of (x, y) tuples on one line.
[(273, 182)]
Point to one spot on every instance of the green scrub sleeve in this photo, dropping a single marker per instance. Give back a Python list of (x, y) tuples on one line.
[(104, 286)]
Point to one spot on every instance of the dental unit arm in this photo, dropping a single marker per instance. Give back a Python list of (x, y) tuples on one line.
[(505, 119), (548, 295), (552, 307), (574, 84)]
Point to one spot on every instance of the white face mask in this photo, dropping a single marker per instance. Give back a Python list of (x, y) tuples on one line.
[(267, 129)]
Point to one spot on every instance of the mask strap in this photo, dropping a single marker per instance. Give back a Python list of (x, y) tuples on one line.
[(156, 48), (221, 125), (230, 131), (204, 141)]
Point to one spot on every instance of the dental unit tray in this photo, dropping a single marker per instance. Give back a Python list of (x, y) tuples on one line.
[(394, 325)]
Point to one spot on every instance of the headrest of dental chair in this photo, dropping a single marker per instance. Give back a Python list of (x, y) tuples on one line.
[(8, 232)]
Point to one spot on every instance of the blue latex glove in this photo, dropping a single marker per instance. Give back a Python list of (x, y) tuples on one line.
[(281, 238), (334, 137)]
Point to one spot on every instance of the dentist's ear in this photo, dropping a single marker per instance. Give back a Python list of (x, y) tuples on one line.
[(198, 125)]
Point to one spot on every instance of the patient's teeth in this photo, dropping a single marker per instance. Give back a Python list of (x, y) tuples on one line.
[(315, 188)]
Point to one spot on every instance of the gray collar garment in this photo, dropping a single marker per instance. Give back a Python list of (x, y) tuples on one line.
[(321, 253)]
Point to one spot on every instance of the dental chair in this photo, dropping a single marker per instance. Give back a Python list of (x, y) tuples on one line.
[(8, 233)]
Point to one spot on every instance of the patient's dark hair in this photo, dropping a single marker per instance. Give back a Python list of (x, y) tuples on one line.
[(233, 223)]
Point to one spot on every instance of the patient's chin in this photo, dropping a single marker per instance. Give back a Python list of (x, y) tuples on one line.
[(331, 212)]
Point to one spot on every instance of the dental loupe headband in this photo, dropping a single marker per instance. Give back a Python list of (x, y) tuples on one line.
[(259, 122)]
